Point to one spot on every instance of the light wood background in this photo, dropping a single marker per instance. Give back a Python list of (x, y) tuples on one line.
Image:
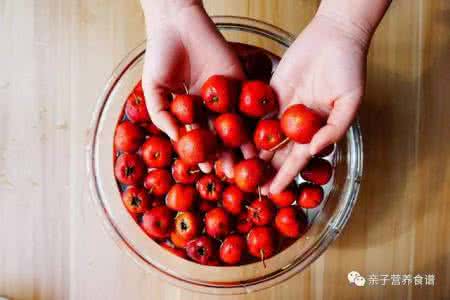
[(56, 55)]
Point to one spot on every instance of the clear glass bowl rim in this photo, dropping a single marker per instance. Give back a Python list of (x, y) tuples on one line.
[(328, 235)]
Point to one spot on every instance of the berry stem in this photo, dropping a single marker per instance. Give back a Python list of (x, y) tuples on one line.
[(259, 193), (261, 252), (281, 144), (186, 90)]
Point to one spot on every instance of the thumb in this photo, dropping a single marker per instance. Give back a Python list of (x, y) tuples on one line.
[(157, 105), (341, 116)]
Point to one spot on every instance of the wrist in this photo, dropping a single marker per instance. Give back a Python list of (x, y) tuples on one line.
[(166, 9), (358, 33), (357, 19), (173, 5)]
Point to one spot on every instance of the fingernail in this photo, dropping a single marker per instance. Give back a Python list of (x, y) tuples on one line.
[(174, 136), (205, 167)]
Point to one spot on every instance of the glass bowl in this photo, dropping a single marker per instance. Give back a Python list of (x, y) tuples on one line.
[(327, 223)]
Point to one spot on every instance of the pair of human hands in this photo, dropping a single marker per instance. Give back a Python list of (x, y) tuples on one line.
[(324, 69)]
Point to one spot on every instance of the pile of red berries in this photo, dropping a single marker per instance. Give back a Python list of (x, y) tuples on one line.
[(210, 218)]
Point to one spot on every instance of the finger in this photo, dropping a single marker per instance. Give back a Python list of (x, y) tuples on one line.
[(280, 156), (157, 101), (157, 104), (228, 162), (340, 118), (167, 123), (265, 189), (283, 90), (206, 167), (248, 150), (266, 155), (296, 160)]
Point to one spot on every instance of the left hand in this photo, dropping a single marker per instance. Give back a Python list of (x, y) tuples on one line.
[(184, 48)]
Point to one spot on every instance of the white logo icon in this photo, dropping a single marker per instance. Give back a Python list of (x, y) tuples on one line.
[(352, 276), (356, 278), (360, 281)]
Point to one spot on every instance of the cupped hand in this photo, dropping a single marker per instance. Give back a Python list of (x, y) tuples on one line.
[(184, 49), (325, 70)]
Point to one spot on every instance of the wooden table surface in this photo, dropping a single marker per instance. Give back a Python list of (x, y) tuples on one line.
[(56, 55)]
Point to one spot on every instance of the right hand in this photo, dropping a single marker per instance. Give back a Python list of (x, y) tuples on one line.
[(325, 70)]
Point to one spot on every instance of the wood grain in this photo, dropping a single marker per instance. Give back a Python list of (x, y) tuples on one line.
[(55, 57)]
